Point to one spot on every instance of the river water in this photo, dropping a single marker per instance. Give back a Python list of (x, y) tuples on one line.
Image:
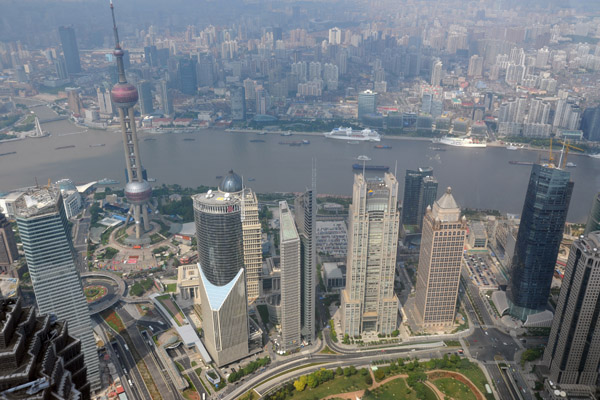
[(480, 178)]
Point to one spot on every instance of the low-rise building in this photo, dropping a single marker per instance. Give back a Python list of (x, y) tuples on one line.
[(188, 282), (334, 276)]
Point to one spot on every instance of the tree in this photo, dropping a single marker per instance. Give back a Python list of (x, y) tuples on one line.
[(416, 377), (347, 372), (339, 371), (368, 380), (312, 381), (300, 383), (346, 339), (395, 333), (379, 374)]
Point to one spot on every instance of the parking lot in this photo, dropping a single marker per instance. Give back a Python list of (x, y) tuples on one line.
[(481, 270)]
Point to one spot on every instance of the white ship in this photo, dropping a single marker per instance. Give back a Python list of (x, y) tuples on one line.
[(597, 155), (349, 134), (512, 147), (461, 141)]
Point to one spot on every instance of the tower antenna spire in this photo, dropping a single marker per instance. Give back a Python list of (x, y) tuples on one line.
[(116, 33), (118, 53)]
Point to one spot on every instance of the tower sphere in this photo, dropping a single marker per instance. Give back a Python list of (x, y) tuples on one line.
[(138, 192), (124, 95)]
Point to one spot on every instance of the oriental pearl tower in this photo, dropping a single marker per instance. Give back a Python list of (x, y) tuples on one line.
[(137, 191)]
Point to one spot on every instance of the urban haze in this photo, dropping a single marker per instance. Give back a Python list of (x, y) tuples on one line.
[(299, 199)]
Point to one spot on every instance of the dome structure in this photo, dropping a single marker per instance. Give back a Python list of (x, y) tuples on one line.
[(66, 185), (124, 95), (231, 183), (138, 192)]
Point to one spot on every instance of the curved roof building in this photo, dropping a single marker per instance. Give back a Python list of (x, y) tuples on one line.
[(218, 218)]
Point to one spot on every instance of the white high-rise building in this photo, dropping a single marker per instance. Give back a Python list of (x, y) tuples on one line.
[(368, 303), (436, 73), (289, 245), (42, 222), (335, 36), (252, 236)]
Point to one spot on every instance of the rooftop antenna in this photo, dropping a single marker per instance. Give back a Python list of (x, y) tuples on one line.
[(364, 159), (396, 170), (36, 182)]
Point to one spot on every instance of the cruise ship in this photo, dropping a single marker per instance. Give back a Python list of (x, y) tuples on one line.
[(461, 141), (349, 134)]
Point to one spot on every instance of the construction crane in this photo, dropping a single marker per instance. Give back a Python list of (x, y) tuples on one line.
[(565, 152)]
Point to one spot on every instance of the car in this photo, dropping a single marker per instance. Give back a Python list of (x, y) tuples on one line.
[(486, 332)]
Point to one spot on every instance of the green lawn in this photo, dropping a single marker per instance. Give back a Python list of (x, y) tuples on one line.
[(455, 389), (340, 384), (398, 389), (474, 373), (171, 288)]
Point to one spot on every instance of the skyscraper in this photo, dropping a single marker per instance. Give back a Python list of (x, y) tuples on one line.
[(438, 275), (50, 255), (39, 348), (289, 245), (8, 246), (593, 222), (145, 90), (218, 217), (104, 103), (305, 207), (475, 66), (418, 194), (238, 104), (252, 236), (590, 123), (166, 100), (436, 73), (335, 36), (186, 71), (70, 49), (74, 101), (151, 56), (60, 66), (573, 350), (427, 196), (368, 303), (367, 103), (137, 190), (540, 233)]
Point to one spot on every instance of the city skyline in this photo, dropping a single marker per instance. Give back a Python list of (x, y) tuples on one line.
[(253, 283)]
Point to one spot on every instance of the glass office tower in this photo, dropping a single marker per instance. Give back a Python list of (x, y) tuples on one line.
[(538, 241)]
